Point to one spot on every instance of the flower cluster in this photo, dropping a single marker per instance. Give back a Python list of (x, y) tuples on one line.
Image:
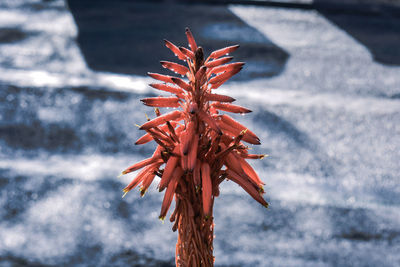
[(197, 144)]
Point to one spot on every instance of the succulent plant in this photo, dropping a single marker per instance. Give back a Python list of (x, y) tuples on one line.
[(197, 147)]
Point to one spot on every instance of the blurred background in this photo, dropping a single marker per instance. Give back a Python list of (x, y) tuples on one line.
[(322, 78)]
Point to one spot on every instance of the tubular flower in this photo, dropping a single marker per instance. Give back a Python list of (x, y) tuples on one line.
[(198, 147)]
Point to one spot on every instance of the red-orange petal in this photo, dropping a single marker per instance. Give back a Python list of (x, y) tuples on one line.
[(247, 186), (159, 135), (147, 137), (191, 41), (182, 84), (184, 144), (235, 165), (148, 179), (223, 51), (144, 139), (216, 85), (169, 193), (175, 67), (217, 62), (141, 175), (224, 76), (230, 107), (171, 116), (252, 156), (142, 164), (196, 173), (201, 76), (187, 52), (189, 133), (192, 156), (167, 88), (175, 50), (217, 97), (172, 102), (230, 121), (209, 120), (206, 188), (228, 67), (169, 168), (231, 130), (160, 77), (249, 170)]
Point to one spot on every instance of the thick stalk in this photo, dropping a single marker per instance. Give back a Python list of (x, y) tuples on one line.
[(195, 232)]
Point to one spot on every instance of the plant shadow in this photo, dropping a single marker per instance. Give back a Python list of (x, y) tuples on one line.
[(376, 26), (126, 36)]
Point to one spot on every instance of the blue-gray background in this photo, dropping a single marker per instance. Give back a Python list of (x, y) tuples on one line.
[(322, 79)]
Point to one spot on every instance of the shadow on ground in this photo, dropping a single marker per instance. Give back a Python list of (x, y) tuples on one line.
[(126, 36), (376, 26)]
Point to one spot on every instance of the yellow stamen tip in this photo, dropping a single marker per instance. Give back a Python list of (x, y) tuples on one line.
[(142, 192), (161, 218), (125, 192), (120, 175), (137, 125)]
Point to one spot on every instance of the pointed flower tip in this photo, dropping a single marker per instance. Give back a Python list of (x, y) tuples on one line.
[(122, 173), (125, 192), (266, 206), (142, 192), (161, 218)]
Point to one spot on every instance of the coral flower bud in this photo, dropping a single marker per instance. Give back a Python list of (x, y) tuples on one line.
[(187, 52), (192, 42), (218, 62), (207, 188), (174, 115), (224, 51), (175, 50), (175, 67)]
